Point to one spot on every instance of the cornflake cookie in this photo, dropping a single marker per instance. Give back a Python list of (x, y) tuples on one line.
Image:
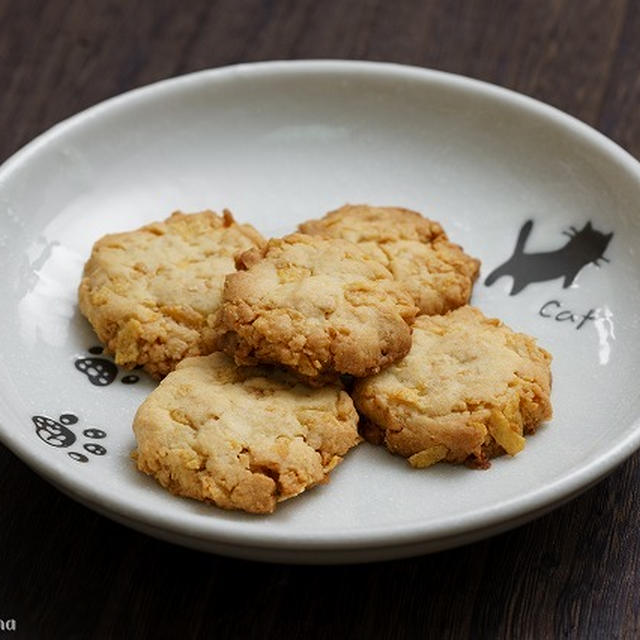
[(469, 390), (241, 438), (437, 273), (320, 307), (151, 294)]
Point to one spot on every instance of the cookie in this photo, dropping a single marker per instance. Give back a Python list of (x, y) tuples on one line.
[(437, 273), (151, 294), (241, 437), (319, 307), (470, 389)]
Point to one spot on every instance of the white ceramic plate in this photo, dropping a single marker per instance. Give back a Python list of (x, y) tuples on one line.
[(281, 142)]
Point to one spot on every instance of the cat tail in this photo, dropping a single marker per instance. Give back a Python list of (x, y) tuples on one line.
[(522, 237), (505, 268)]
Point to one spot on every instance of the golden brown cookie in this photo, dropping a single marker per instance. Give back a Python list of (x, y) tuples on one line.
[(241, 437), (319, 307), (150, 294), (437, 273), (468, 390)]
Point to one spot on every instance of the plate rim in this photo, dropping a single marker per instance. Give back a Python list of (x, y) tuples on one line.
[(240, 534)]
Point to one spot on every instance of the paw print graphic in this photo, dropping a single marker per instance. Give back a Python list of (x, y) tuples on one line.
[(101, 372), (58, 434)]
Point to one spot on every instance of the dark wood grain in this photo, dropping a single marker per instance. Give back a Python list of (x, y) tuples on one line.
[(69, 573)]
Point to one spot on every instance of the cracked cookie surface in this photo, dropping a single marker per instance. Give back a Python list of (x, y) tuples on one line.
[(319, 307), (437, 273), (241, 437), (469, 389), (150, 294)]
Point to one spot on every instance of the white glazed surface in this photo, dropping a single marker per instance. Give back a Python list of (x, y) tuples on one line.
[(279, 143)]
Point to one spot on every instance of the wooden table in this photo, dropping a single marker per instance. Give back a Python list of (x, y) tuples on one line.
[(69, 573)]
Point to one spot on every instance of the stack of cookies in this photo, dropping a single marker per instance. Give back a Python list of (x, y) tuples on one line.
[(279, 355)]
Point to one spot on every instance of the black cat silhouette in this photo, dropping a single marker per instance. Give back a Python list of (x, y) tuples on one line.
[(584, 246)]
